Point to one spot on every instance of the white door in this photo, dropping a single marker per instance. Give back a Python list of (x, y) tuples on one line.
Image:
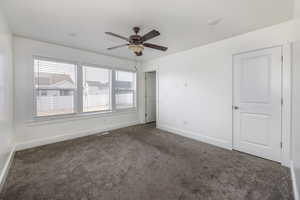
[(150, 79), (257, 103)]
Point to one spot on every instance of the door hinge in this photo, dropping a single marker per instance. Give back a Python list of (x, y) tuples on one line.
[(282, 59), (282, 101), (281, 145), (146, 115)]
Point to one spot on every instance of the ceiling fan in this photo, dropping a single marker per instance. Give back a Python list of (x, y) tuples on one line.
[(136, 43)]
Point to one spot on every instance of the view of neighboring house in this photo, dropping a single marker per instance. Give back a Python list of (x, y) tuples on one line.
[(54, 93), (51, 84)]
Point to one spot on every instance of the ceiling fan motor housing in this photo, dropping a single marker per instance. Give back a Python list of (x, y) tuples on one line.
[(135, 39)]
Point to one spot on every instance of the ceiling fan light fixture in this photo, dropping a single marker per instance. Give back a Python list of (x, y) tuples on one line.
[(136, 43), (136, 48)]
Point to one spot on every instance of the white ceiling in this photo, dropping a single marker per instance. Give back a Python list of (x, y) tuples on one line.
[(183, 24)]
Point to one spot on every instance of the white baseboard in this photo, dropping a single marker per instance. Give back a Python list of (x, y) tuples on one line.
[(6, 168), (294, 181), (60, 138), (213, 141)]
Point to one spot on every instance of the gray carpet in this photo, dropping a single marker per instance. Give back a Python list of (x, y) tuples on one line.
[(142, 163)]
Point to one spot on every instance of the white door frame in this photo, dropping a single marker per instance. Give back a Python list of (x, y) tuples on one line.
[(157, 95), (145, 100), (286, 96)]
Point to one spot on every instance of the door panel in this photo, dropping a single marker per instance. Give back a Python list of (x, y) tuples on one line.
[(257, 103), (255, 80), (255, 129)]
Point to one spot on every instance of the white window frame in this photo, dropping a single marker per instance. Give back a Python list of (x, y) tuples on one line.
[(75, 98), (134, 94), (78, 92), (111, 88)]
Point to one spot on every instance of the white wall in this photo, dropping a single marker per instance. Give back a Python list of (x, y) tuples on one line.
[(30, 133), (195, 86), (297, 8), (6, 95)]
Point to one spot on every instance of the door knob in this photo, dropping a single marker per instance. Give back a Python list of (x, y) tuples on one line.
[(235, 107)]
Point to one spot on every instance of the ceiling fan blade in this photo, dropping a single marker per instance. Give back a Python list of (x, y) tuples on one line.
[(138, 53), (154, 46), (118, 36), (119, 46), (150, 35)]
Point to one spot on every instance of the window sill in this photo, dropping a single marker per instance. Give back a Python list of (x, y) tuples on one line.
[(74, 117)]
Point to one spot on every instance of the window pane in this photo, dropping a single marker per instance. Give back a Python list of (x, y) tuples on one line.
[(49, 74), (124, 99), (55, 102), (125, 89), (125, 76), (96, 93), (55, 84)]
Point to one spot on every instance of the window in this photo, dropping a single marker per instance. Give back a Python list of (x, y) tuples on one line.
[(96, 89), (125, 88), (55, 85), (64, 88)]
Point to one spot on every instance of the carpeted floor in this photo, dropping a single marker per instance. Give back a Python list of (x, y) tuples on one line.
[(142, 163)]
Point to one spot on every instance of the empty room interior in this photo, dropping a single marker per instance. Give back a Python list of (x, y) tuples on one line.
[(150, 100)]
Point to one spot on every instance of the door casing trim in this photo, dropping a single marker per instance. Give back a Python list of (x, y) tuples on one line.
[(143, 106), (145, 92)]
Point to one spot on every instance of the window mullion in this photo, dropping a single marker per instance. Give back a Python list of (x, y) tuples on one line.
[(36, 71), (79, 89), (135, 91), (113, 90)]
